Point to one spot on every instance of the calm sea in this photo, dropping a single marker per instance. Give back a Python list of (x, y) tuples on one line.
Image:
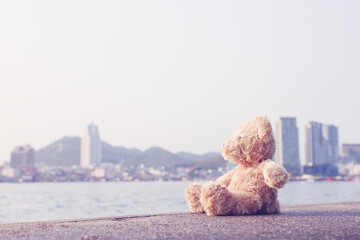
[(22, 202)]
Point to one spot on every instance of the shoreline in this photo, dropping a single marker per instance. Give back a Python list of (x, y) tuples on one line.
[(315, 179)]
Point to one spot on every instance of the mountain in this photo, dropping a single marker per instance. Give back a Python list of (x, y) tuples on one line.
[(195, 157), (66, 152), (63, 152), (211, 163), (115, 155)]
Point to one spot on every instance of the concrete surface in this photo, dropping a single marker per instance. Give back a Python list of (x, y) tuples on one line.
[(323, 221)]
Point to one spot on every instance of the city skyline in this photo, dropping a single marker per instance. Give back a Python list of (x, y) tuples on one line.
[(322, 151), (284, 125)]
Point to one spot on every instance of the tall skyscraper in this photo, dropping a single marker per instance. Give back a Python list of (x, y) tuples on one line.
[(287, 149), (90, 146), (22, 156), (331, 140), (315, 151), (322, 147)]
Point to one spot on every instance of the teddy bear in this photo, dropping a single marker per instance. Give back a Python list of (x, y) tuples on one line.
[(251, 187)]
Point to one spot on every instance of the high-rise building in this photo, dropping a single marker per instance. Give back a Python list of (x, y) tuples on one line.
[(322, 147), (315, 151), (90, 146), (350, 153), (22, 156), (287, 149), (331, 140)]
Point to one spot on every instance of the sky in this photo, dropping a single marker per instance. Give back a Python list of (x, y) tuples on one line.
[(180, 75)]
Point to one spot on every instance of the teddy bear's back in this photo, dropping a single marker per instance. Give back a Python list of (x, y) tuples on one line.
[(251, 179)]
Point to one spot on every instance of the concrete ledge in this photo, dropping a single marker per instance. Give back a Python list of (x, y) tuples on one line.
[(322, 221)]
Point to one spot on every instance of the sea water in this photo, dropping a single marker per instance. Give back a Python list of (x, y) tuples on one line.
[(23, 202)]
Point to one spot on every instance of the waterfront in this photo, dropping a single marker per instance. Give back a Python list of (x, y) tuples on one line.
[(23, 202)]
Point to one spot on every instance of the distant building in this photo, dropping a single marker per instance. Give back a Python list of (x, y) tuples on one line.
[(22, 156), (98, 173), (322, 148), (287, 149), (7, 172), (350, 153), (90, 146), (331, 139)]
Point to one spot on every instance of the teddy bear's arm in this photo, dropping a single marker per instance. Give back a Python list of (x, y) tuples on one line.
[(226, 178), (275, 175)]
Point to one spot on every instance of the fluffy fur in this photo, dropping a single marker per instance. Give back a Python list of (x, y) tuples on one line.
[(249, 188)]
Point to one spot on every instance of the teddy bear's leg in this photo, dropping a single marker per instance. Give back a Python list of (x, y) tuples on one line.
[(245, 203), (273, 207), (215, 198), (193, 193)]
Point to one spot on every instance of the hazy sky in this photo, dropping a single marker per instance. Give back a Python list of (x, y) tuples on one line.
[(180, 75)]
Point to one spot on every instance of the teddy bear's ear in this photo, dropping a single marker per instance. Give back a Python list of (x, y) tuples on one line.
[(264, 127)]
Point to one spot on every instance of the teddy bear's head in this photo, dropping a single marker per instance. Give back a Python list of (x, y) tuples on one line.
[(251, 143)]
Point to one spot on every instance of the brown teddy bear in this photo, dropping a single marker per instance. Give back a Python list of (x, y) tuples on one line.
[(249, 188)]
